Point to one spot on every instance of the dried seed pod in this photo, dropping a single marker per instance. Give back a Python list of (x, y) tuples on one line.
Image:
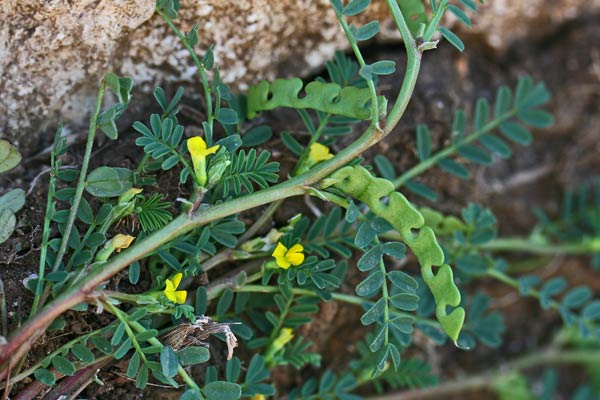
[(194, 333)]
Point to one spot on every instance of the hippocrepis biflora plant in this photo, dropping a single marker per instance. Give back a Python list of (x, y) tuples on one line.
[(285, 273)]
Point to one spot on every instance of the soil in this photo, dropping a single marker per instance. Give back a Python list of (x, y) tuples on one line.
[(562, 157)]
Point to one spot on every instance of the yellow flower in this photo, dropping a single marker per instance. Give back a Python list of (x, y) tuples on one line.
[(318, 152), (176, 296), (286, 257), (258, 397), (284, 337), (198, 152), (121, 242)]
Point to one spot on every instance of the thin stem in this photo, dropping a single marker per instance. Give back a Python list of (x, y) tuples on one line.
[(450, 150), (413, 65), (435, 21), (488, 379), (385, 295), (514, 283), (526, 245), (50, 205), (346, 298), (361, 62), (155, 342), (201, 70), (22, 339), (126, 323), (81, 181)]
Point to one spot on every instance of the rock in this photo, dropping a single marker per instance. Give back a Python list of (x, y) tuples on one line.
[(504, 21), (54, 53)]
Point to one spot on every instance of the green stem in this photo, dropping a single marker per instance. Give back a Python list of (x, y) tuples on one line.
[(201, 70), (22, 339), (155, 342), (435, 21), (450, 150), (489, 379), (514, 283), (81, 181), (526, 245), (346, 298), (56, 352), (385, 295), (126, 323), (50, 206), (361, 62)]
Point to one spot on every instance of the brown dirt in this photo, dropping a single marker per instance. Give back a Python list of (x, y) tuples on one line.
[(562, 157)]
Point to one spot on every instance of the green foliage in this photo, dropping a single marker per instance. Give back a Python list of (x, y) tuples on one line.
[(329, 386), (153, 212), (264, 303), (245, 170), (347, 101), (481, 145), (402, 216), (577, 224), (12, 201)]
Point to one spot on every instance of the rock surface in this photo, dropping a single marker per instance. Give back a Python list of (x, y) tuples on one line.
[(53, 53)]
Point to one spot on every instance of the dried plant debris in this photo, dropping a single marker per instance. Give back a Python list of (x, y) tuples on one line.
[(195, 333)]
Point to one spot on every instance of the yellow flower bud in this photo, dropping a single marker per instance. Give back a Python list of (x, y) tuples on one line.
[(198, 152)]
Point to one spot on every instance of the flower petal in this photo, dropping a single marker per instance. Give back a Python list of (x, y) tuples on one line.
[(196, 146), (212, 150), (282, 262), (297, 248), (169, 286), (295, 258), (180, 296), (177, 280), (280, 250), (171, 295)]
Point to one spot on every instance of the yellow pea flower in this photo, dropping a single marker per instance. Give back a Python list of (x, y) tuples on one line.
[(318, 152), (199, 151), (286, 257), (258, 397), (171, 292)]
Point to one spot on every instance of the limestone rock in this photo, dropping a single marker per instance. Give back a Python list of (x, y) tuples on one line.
[(54, 53)]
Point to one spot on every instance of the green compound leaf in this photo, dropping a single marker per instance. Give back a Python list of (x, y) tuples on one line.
[(358, 182), (331, 98)]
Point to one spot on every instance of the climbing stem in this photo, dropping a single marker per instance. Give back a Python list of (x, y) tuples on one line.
[(22, 339)]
